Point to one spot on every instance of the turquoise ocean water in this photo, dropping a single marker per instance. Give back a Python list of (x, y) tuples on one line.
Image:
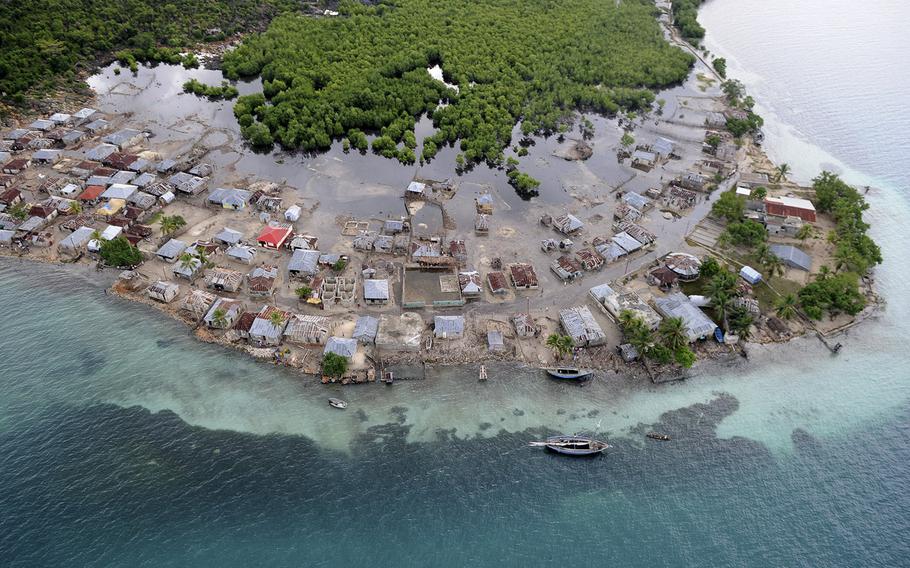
[(125, 442)]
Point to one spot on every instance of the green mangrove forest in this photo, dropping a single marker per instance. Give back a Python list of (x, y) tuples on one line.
[(527, 62)]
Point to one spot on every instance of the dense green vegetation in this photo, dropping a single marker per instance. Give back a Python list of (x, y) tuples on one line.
[(119, 252), (334, 365), (729, 206), (832, 293), (533, 62), (855, 251), (667, 345), (720, 65), (685, 18), (224, 91), (45, 44)]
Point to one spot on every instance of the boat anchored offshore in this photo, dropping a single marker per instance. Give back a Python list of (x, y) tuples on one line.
[(338, 403), (572, 445), (656, 436), (569, 373)]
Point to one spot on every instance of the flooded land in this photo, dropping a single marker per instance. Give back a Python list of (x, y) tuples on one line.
[(387, 248)]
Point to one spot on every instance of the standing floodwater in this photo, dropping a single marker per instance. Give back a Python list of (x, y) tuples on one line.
[(125, 442)]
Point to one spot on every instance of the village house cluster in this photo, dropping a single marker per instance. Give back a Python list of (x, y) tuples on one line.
[(246, 264)]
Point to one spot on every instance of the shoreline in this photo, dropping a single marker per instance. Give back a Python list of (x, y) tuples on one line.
[(473, 351)]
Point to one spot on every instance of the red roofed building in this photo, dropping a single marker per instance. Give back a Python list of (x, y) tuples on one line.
[(91, 193), (790, 207), (274, 237)]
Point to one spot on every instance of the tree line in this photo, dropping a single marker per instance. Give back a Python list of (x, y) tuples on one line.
[(46, 44), (531, 62)]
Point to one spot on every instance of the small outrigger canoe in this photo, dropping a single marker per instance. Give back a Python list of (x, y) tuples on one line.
[(572, 445), (338, 403), (656, 436), (573, 373)]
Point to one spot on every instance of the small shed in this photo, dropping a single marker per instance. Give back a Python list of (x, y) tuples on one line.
[(750, 275), (495, 341), (416, 188), (293, 213), (197, 303), (224, 279)]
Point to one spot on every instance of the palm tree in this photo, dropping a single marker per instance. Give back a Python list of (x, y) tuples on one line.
[(96, 235), (672, 334), (762, 252), (276, 318), (627, 319), (561, 344), (171, 223), (75, 207), (204, 258), (219, 318), (774, 266), (721, 303), (843, 258), (188, 262), (782, 171), (786, 306), (823, 273)]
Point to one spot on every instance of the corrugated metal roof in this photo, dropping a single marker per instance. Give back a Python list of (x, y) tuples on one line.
[(341, 346), (374, 289), (698, 325), (171, 249), (792, 256), (304, 261), (365, 329), (448, 325)]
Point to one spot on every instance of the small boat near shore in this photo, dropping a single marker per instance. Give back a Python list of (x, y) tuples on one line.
[(338, 403), (656, 436), (571, 373), (572, 445)]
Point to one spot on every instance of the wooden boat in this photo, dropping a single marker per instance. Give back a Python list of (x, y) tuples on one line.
[(338, 403), (573, 373), (572, 445), (656, 436)]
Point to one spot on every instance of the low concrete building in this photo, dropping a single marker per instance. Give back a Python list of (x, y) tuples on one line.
[(163, 291), (224, 313), (224, 279), (448, 327), (241, 253), (264, 332), (261, 281), (697, 324), (523, 276), (197, 303), (228, 237), (342, 346), (365, 329), (171, 250), (567, 268), (304, 263), (308, 330), (76, 242), (376, 291), (792, 257), (790, 207), (579, 323)]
